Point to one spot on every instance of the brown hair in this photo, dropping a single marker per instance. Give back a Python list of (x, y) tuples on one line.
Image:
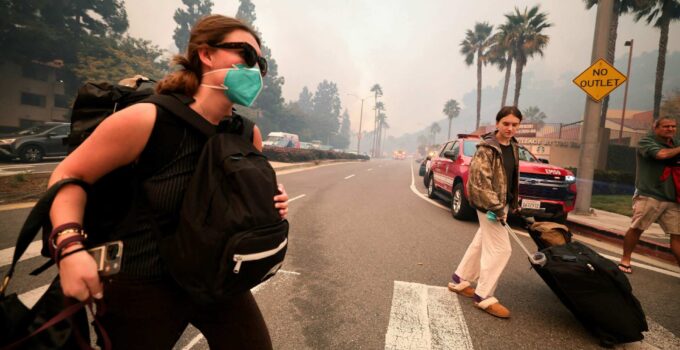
[(209, 30), (506, 111)]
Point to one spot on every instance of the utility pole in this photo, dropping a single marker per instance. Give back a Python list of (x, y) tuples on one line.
[(590, 145), (361, 118), (625, 94)]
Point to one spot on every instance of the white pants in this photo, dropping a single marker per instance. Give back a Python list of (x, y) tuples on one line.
[(486, 256)]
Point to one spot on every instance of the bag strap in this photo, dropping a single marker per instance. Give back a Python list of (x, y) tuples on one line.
[(68, 312), (179, 106), (38, 215)]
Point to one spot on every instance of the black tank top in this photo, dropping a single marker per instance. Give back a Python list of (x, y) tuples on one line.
[(164, 169)]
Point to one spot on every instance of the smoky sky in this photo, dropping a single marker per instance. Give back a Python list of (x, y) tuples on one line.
[(411, 48)]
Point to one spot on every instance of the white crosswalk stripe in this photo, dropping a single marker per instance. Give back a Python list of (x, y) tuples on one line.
[(425, 317)]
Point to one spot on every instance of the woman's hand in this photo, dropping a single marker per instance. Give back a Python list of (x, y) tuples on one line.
[(79, 276), (281, 202)]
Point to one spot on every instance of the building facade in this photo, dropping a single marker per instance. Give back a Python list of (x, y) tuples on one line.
[(33, 94)]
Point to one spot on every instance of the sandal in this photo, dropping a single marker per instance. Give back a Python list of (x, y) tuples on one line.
[(626, 268), (463, 288), (493, 307)]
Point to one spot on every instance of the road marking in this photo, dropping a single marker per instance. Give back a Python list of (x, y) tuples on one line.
[(349, 177), (7, 254), (198, 337), (369, 169), (298, 197), (31, 297), (659, 268), (16, 206), (425, 317)]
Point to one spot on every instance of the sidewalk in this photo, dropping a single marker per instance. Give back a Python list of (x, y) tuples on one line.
[(612, 227)]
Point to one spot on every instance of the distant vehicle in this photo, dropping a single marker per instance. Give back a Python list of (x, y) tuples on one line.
[(399, 155), (36, 142), (282, 139), (545, 191), (307, 145)]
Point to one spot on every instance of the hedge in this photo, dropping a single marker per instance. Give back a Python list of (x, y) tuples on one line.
[(612, 182), (292, 155)]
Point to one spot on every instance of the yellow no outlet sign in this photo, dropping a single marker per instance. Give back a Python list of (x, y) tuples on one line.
[(599, 80)]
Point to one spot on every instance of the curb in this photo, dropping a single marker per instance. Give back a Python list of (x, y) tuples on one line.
[(312, 164), (644, 247)]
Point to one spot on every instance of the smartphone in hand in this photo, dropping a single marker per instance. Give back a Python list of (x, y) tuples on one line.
[(108, 257)]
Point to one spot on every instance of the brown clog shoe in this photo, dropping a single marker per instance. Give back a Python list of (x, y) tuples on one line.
[(463, 288), (493, 307)]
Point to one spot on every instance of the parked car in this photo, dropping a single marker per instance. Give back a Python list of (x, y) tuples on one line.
[(282, 139), (36, 142), (546, 191)]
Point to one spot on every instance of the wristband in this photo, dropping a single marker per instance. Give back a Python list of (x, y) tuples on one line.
[(60, 258), (71, 227), (65, 243)]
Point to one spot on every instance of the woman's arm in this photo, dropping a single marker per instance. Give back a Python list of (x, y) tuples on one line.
[(117, 141)]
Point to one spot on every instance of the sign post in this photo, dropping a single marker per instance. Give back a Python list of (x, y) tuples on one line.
[(590, 130)]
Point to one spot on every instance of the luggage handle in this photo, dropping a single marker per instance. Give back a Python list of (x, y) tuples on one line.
[(537, 258)]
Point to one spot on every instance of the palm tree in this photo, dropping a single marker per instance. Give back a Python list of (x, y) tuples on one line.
[(533, 114), (434, 130), (620, 7), (451, 110), (377, 90), (477, 44), (502, 55), (662, 13), (379, 108), (525, 30), (383, 126)]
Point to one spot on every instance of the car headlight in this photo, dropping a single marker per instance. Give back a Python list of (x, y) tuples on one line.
[(6, 141), (570, 178)]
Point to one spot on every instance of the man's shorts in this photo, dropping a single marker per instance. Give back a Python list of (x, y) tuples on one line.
[(647, 210)]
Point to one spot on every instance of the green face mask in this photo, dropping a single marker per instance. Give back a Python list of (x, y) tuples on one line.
[(241, 84)]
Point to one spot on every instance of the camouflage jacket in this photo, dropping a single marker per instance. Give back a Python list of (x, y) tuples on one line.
[(487, 183)]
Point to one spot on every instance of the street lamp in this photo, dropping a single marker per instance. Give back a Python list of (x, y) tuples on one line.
[(361, 117), (625, 92)]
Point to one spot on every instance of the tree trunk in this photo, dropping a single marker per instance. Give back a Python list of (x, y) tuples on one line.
[(479, 88), (450, 119), (660, 66), (611, 56), (518, 81), (508, 70)]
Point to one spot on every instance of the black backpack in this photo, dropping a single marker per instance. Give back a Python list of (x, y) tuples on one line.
[(230, 236)]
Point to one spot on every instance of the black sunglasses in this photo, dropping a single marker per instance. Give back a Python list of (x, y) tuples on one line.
[(248, 53)]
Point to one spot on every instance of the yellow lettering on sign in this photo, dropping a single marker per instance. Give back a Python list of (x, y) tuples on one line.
[(599, 80)]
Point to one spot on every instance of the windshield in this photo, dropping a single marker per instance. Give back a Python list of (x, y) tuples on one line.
[(469, 148), (35, 130), (273, 139)]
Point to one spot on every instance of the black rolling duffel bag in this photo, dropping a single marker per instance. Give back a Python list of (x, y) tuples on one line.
[(593, 289)]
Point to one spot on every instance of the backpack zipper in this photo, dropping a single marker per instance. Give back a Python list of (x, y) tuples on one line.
[(240, 258)]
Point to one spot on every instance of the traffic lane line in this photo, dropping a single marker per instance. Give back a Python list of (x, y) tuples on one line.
[(349, 177), (7, 254), (659, 268), (425, 317)]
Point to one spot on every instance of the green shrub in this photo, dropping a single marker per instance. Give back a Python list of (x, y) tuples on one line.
[(296, 155)]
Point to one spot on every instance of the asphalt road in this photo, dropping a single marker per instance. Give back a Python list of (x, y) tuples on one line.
[(358, 231)]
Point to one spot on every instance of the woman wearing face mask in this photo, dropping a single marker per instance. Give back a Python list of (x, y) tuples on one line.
[(493, 186), (145, 309)]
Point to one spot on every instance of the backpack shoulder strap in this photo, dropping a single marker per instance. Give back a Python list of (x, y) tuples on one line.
[(248, 129), (179, 105)]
